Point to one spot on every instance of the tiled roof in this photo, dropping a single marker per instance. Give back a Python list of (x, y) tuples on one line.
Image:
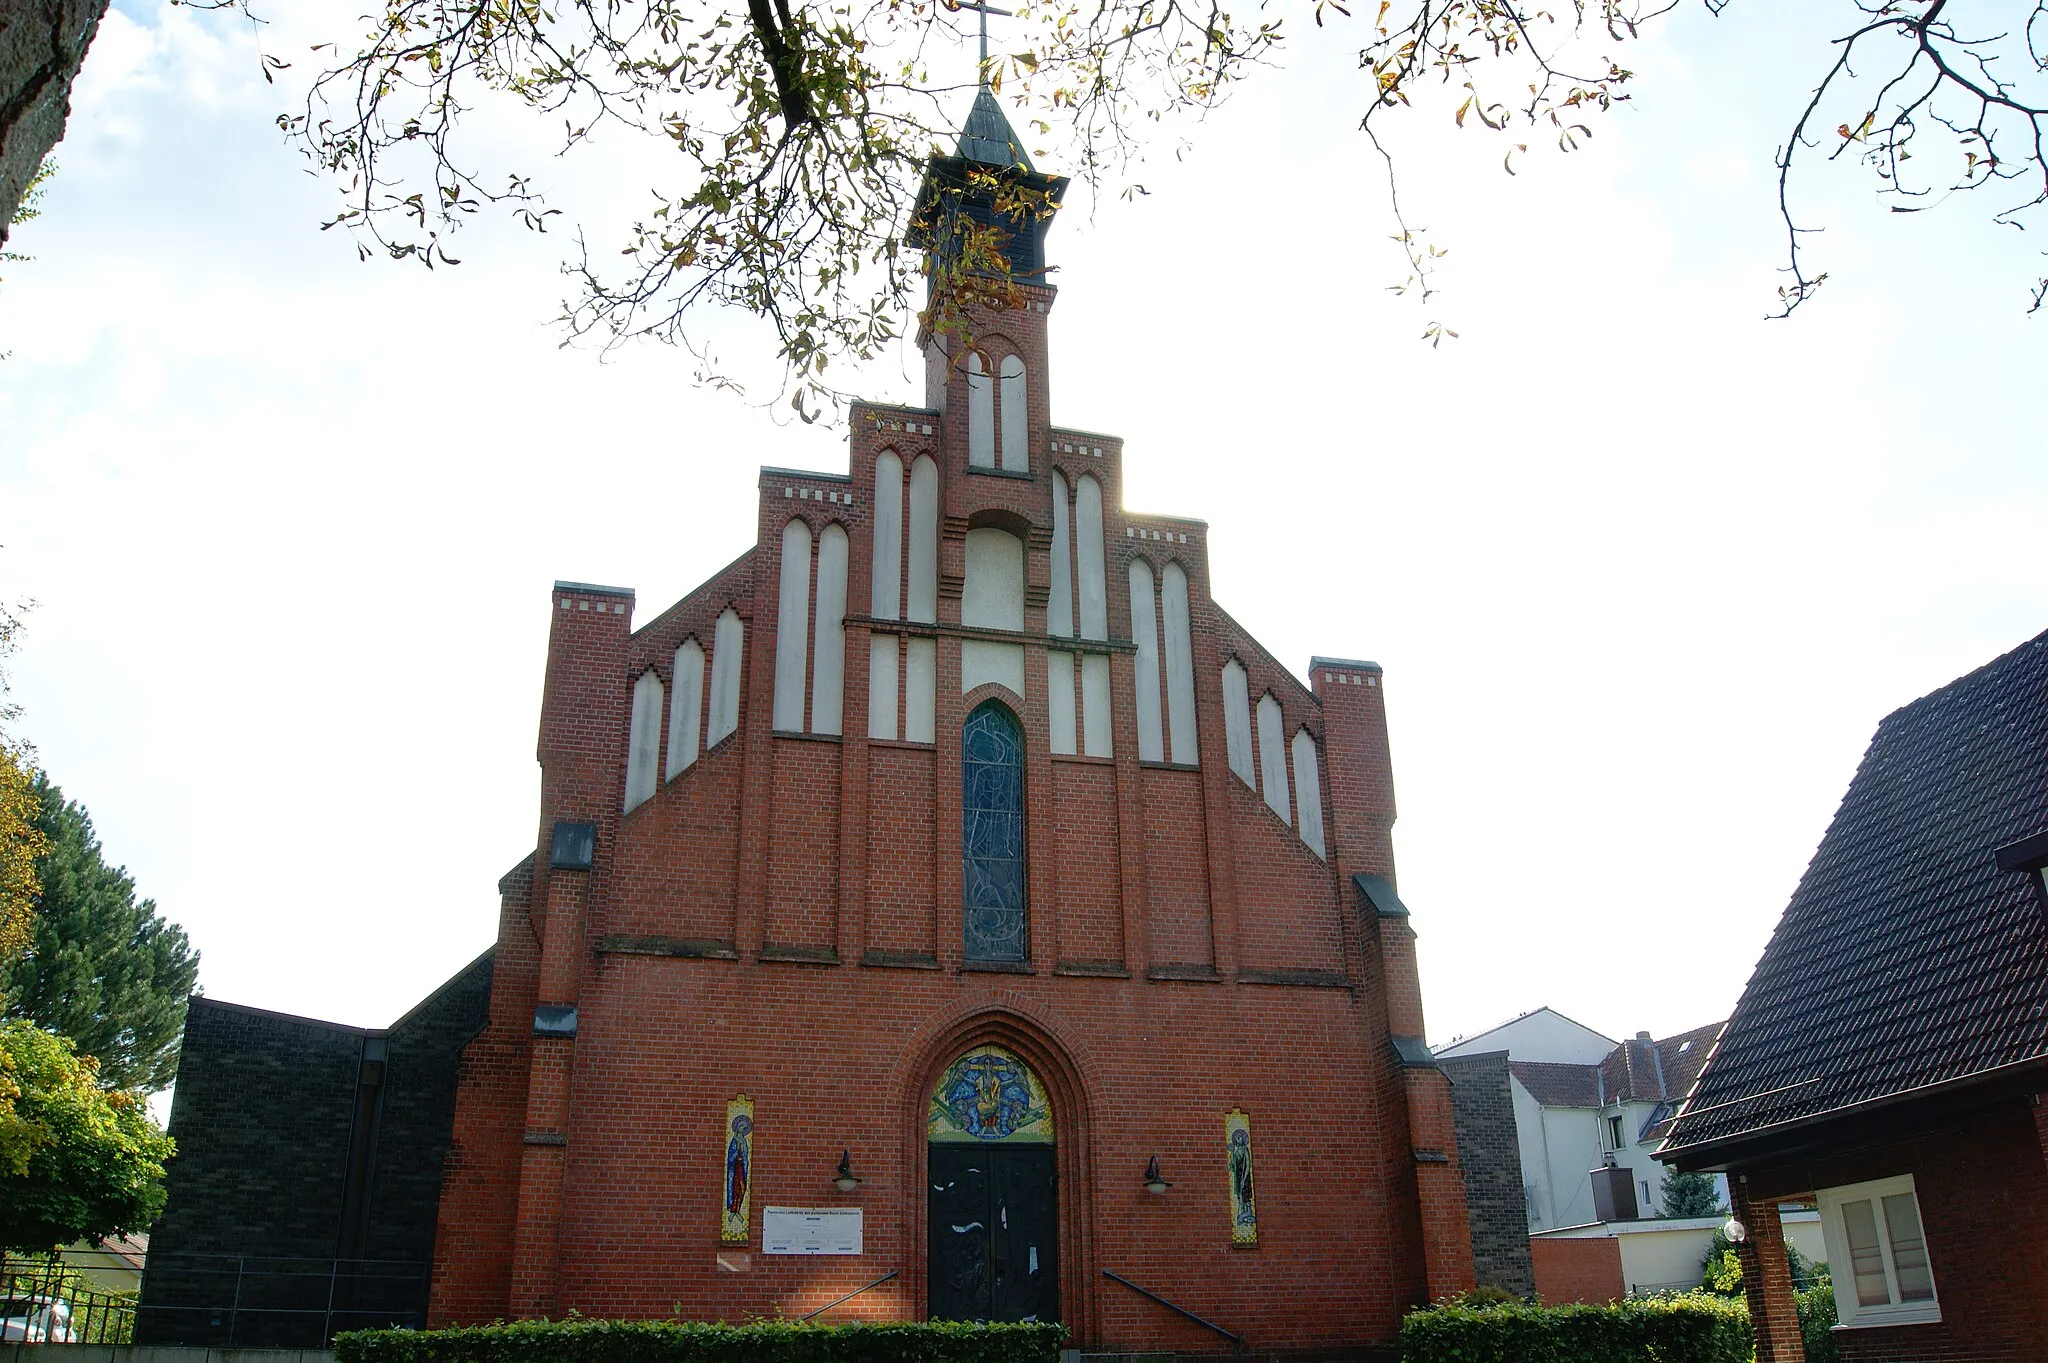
[(1555, 1085), (1906, 956), (1683, 1056), (1637, 1071)]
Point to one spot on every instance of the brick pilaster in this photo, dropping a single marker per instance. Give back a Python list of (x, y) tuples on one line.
[(1766, 1277), (583, 735), (1359, 774)]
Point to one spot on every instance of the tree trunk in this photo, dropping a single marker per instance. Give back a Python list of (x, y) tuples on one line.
[(42, 43)]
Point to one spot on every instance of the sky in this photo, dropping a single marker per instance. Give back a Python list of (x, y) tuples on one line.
[(1644, 569)]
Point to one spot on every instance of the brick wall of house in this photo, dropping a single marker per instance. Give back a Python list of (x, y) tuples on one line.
[(1982, 1186), (782, 920), (1490, 1150), (1586, 1270)]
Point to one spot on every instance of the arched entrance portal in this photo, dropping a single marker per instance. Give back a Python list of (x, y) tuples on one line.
[(993, 1204)]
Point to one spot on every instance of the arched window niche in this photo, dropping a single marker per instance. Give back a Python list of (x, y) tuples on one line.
[(992, 915)]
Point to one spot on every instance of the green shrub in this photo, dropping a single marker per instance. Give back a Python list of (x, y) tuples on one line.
[(1817, 1324), (1695, 1328), (665, 1341)]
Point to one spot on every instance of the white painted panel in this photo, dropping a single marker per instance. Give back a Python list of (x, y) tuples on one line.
[(1308, 793), (1145, 631), (885, 597), (1059, 603), (1088, 558), (992, 597), (792, 627), (686, 709), (1016, 417), (643, 743), (923, 605), (882, 651), (920, 689), (1180, 665), (728, 651), (1237, 722), (828, 671), (1059, 700), (1273, 756), (1095, 705), (981, 414), (982, 661)]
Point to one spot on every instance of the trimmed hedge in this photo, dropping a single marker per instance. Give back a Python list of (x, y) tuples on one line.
[(1696, 1328), (666, 1341)]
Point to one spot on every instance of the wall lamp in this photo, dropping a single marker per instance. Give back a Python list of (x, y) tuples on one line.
[(1734, 1230), (844, 1180), (1154, 1183)]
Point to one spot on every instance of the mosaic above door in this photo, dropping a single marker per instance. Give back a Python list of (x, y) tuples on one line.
[(989, 1094)]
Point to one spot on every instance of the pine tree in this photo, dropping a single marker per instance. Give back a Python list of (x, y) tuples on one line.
[(103, 969), (1692, 1195)]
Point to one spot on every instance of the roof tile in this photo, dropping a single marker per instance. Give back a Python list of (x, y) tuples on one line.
[(1906, 957)]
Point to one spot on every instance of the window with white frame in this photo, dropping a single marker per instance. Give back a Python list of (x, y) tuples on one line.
[(1877, 1249)]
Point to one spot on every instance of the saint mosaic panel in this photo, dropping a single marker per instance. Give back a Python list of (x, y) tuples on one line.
[(1244, 1212), (992, 835), (735, 1216), (989, 1094)]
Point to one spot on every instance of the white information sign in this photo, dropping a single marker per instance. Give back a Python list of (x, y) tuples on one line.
[(810, 1230)]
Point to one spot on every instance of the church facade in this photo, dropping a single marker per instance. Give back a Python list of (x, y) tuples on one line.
[(949, 899)]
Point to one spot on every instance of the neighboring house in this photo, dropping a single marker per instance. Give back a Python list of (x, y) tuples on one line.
[(115, 1266), (1583, 1103), (1886, 1061)]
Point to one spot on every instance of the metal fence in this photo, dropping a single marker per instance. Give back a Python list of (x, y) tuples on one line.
[(231, 1300), (92, 1313)]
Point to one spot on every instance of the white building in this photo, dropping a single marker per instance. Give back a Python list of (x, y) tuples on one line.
[(1585, 1102)]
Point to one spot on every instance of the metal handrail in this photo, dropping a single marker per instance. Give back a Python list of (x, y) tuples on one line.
[(1236, 1340), (855, 1293)]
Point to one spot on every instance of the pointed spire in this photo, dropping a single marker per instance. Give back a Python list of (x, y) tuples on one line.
[(988, 137)]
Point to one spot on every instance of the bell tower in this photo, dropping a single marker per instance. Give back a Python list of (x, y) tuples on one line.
[(981, 218)]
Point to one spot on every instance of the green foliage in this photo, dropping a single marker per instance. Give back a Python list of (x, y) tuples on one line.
[(1691, 1195), (31, 205), (660, 1341), (1688, 1329), (102, 969), (76, 1161), (1817, 1322), (22, 843), (1721, 1272)]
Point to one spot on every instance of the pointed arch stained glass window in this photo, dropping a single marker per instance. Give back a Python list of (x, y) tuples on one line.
[(992, 835)]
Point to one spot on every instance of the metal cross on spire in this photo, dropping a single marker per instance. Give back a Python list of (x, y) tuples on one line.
[(982, 10)]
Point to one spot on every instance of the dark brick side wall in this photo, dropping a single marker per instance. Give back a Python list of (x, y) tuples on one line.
[(264, 1116), (419, 1112), (1483, 1108)]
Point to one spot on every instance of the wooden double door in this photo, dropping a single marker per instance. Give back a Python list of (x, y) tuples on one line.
[(994, 1241)]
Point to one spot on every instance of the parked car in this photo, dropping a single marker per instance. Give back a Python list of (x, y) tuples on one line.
[(35, 1320)]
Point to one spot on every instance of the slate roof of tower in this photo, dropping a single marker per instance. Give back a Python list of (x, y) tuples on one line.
[(988, 137), (1906, 957)]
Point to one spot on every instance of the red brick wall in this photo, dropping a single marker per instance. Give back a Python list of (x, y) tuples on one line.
[(1577, 1270), (1983, 1192), (783, 921)]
